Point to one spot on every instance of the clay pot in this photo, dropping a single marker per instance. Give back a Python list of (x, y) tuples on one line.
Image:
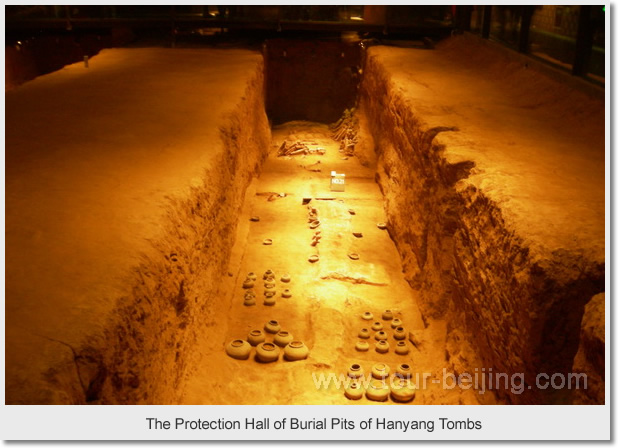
[(249, 301), (267, 352), (364, 333), (387, 315), (377, 326), (272, 327), (238, 349), (267, 274), (252, 276), (315, 224), (377, 391), (403, 371), (401, 348), (403, 390), (396, 322), (380, 371), (382, 347), (381, 225), (354, 390), (270, 301), (269, 285), (367, 315), (314, 258), (283, 338), (296, 351), (248, 283), (381, 336), (353, 256), (285, 278), (286, 294), (270, 293), (399, 334), (267, 242), (362, 345), (256, 337), (355, 371)]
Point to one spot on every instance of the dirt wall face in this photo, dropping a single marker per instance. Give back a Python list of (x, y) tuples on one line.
[(509, 307), (310, 79), (149, 203), (175, 298)]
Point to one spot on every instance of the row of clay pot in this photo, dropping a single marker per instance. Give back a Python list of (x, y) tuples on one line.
[(268, 351), (402, 389), (380, 371), (401, 347), (386, 315)]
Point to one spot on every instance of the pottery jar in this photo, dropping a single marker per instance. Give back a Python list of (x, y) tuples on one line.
[(283, 338), (272, 326), (256, 337), (295, 351), (238, 349), (267, 352), (377, 391)]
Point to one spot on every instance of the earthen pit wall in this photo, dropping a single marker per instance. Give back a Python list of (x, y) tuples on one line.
[(171, 306), (520, 313)]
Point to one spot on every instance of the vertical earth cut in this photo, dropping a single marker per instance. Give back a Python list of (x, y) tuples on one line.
[(137, 181), (512, 304)]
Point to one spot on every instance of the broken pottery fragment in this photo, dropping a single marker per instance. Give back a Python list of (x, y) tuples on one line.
[(353, 256), (382, 225), (254, 218), (358, 234), (267, 242), (314, 258)]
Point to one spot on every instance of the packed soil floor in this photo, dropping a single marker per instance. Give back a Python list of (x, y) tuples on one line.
[(328, 296)]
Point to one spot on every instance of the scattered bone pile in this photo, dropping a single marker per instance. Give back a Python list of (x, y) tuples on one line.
[(345, 131), (298, 148)]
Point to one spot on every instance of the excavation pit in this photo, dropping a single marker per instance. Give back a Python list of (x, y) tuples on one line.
[(473, 232)]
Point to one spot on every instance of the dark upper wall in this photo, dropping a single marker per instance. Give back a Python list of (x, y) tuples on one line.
[(310, 79)]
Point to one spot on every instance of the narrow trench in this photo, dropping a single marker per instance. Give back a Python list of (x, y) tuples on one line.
[(329, 296), (166, 343)]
